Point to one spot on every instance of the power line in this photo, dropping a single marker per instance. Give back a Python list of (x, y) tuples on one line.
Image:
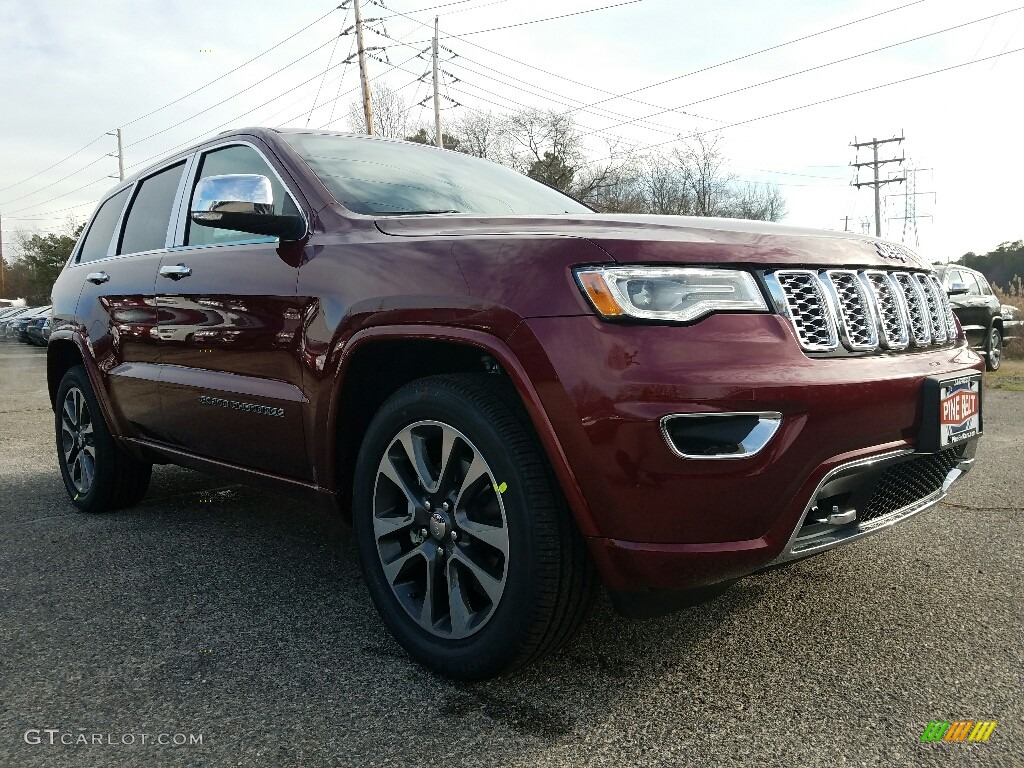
[(168, 104), (243, 64), (837, 98), (818, 66), (763, 50), (550, 18), (329, 60)]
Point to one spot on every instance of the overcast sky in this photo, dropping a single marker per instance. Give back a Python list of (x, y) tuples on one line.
[(70, 71)]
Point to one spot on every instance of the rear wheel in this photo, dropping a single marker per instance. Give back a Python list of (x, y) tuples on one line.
[(994, 349), (469, 552), (98, 475)]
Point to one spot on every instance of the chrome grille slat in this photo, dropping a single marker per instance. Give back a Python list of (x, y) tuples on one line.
[(857, 324), (920, 325), (893, 331), (863, 310), (933, 302), (808, 309)]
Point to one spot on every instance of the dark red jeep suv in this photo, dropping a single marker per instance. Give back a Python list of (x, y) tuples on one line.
[(512, 396)]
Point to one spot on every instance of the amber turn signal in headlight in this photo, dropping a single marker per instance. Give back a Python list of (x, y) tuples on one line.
[(681, 294)]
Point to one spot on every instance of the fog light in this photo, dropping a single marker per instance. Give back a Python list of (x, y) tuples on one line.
[(719, 435)]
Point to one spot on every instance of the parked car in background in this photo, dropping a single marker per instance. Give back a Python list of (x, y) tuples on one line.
[(1013, 322), (978, 310), (17, 328), (10, 318), (8, 314), (38, 330), (507, 393)]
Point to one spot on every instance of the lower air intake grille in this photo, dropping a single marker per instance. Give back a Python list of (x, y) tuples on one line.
[(908, 482)]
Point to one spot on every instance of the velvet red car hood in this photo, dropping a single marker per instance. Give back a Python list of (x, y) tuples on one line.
[(641, 239)]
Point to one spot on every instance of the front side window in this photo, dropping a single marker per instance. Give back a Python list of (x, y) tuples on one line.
[(97, 239), (968, 279), (392, 178), (145, 228), (229, 160)]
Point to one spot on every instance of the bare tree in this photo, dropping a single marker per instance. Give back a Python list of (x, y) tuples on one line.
[(702, 164), (757, 201), (390, 114), (482, 135)]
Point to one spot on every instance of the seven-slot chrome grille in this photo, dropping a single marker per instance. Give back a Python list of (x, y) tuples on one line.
[(864, 310)]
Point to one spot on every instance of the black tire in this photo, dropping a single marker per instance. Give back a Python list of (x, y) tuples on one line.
[(994, 349), (549, 579), (117, 479)]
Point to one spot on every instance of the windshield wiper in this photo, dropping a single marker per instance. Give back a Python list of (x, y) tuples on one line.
[(413, 213)]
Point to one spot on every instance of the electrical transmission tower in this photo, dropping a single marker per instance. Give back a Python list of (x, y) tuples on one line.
[(878, 182), (910, 214)]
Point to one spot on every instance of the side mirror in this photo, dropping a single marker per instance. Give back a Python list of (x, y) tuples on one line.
[(957, 289), (243, 202)]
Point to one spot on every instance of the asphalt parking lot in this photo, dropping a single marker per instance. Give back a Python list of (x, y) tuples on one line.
[(238, 616)]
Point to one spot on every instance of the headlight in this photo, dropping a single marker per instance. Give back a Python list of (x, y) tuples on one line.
[(682, 294)]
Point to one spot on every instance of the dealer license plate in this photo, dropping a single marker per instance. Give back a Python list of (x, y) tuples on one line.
[(959, 410)]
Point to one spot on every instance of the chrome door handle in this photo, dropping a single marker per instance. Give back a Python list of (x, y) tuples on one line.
[(97, 277), (175, 271)]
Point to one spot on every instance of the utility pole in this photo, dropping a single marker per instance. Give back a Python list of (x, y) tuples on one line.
[(437, 94), (846, 223), (878, 182), (120, 154), (3, 276), (367, 107)]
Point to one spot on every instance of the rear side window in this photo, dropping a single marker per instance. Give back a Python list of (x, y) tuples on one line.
[(237, 159), (145, 228), (97, 239), (985, 287)]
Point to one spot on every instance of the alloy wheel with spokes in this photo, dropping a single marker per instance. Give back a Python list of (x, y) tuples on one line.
[(995, 349), (98, 474), (78, 442), (440, 529)]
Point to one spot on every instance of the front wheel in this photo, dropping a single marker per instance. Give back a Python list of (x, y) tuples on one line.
[(994, 350), (469, 552), (97, 473)]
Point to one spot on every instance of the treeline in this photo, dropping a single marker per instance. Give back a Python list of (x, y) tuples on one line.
[(547, 145), (31, 276), (1004, 266)]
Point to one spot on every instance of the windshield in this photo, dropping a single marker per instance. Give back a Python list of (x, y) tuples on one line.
[(390, 178)]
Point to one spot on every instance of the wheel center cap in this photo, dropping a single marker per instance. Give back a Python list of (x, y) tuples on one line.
[(438, 525)]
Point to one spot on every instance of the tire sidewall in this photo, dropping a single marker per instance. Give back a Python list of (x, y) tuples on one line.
[(99, 493), (994, 343), (496, 644)]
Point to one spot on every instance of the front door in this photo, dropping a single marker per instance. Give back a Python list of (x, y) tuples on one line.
[(228, 327)]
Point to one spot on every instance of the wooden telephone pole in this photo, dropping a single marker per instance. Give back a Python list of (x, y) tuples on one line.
[(367, 105), (878, 182)]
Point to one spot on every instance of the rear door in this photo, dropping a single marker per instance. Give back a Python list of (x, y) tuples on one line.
[(118, 260), (228, 328)]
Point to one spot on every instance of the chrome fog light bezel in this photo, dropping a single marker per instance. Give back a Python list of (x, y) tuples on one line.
[(768, 423)]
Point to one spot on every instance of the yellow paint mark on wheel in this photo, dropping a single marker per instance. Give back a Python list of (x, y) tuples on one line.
[(500, 488)]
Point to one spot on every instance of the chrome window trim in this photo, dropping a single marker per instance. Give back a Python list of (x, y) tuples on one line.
[(136, 187), (193, 178), (770, 420), (76, 254)]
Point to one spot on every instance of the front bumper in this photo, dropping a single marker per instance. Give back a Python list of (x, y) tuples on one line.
[(657, 520)]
